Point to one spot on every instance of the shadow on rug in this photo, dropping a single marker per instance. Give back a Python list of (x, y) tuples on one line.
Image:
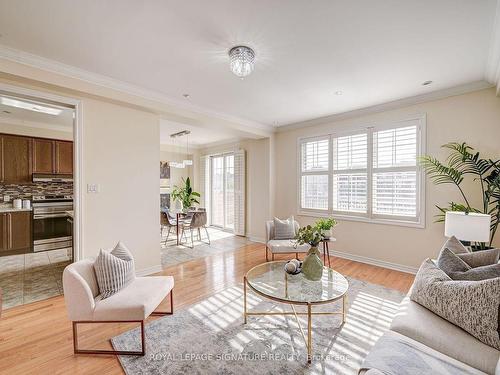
[(210, 337)]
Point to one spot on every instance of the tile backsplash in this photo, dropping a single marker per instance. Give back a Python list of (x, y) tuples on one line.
[(26, 191)]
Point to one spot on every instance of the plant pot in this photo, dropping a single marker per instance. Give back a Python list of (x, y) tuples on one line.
[(312, 267), (327, 233)]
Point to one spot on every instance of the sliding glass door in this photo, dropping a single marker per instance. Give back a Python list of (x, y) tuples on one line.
[(222, 191)]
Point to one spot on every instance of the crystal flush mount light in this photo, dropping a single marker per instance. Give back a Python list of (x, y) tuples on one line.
[(241, 60)]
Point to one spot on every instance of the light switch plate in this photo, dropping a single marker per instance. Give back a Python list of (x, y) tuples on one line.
[(92, 188)]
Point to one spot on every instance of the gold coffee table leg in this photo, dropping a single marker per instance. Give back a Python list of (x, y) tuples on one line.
[(344, 308), (245, 300), (309, 333)]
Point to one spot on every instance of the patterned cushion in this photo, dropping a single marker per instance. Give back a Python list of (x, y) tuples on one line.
[(284, 229), (481, 257), (455, 245), (114, 270), (472, 305)]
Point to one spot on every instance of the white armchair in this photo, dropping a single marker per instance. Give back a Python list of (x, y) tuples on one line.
[(134, 303), (282, 246)]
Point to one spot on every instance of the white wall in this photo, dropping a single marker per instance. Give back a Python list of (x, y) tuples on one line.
[(473, 117), (121, 150)]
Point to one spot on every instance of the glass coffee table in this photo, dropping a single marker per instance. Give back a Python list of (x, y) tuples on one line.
[(270, 281)]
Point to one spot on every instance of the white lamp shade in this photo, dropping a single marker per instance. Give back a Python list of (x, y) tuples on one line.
[(467, 227)]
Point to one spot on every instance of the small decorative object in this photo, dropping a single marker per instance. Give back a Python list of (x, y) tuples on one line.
[(325, 226), (293, 267), (185, 194), (312, 267)]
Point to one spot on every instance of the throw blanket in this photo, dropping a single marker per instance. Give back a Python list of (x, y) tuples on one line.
[(395, 354)]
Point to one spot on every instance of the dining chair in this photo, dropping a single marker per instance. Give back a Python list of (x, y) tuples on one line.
[(197, 222), (167, 221)]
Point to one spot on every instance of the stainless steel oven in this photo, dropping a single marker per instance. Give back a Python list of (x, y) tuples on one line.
[(51, 228)]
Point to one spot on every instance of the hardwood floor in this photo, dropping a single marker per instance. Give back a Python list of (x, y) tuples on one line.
[(37, 338)]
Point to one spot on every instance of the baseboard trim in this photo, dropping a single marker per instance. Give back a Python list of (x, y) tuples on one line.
[(374, 262), (149, 271), (256, 239)]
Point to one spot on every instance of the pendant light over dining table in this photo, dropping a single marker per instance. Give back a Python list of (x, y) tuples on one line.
[(187, 161)]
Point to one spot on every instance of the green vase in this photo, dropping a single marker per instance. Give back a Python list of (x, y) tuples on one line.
[(312, 267)]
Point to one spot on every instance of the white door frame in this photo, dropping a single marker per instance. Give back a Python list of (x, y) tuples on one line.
[(78, 231)]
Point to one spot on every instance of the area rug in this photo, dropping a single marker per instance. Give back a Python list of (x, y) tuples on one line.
[(210, 337)]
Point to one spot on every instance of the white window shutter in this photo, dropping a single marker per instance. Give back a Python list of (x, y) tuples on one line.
[(239, 192), (205, 183)]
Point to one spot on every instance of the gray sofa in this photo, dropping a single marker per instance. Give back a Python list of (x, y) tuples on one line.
[(428, 342)]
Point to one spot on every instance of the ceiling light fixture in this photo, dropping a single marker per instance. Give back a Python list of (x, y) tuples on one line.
[(426, 83), (186, 96), (338, 92), (241, 60), (30, 106)]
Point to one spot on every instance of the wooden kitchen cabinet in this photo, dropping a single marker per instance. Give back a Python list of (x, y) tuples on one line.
[(43, 155), (16, 159), (16, 232), (3, 233), (64, 157)]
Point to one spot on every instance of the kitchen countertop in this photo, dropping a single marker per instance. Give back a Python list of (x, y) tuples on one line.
[(9, 208)]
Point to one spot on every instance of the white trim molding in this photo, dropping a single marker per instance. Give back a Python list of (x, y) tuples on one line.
[(256, 239), (374, 262), (149, 270)]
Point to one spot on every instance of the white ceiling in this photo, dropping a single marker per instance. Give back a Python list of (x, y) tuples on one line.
[(198, 137), (24, 117), (371, 51)]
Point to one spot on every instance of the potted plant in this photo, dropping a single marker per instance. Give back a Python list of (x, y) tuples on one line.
[(185, 195), (325, 225), (312, 267), (462, 161)]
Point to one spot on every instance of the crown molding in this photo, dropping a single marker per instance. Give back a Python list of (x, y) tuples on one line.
[(53, 66), (492, 71), (435, 95)]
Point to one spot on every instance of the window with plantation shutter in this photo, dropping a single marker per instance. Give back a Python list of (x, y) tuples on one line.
[(395, 172), (350, 174), (315, 164), (370, 174)]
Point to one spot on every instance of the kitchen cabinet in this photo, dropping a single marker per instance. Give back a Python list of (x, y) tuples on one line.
[(52, 157), (64, 157), (43, 156), (15, 160), (15, 228)]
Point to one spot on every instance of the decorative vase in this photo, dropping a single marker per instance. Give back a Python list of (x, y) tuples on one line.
[(312, 267)]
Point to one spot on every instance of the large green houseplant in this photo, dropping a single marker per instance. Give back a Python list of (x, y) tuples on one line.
[(461, 162), (185, 194)]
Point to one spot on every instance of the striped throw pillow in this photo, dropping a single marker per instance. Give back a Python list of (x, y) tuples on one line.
[(114, 270)]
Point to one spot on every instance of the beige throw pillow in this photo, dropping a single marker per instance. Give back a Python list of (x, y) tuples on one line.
[(455, 245), (472, 305)]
